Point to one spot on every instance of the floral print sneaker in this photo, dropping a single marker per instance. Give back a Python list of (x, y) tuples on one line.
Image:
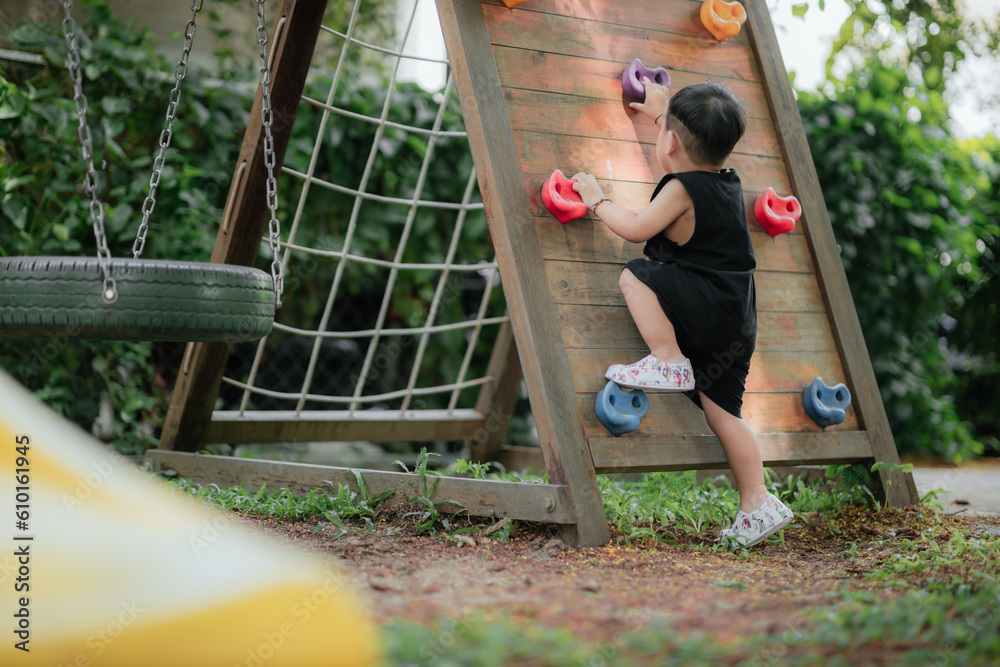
[(757, 526), (652, 374)]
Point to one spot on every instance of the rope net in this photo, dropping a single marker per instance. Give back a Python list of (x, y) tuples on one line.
[(392, 297)]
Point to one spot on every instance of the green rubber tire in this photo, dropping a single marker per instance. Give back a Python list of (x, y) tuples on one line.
[(44, 297)]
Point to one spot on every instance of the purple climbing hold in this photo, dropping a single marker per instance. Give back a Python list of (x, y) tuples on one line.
[(632, 79)]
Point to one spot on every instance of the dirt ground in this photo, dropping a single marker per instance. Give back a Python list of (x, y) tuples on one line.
[(600, 592)]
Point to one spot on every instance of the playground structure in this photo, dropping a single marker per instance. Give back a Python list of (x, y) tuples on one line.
[(136, 298), (540, 87)]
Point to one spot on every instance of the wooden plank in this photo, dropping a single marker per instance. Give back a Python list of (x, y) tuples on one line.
[(519, 258), (541, 153), (238, 240), (529, 502), (635, 195), (896, 487), (774, 371), (611, 328), (231, 427), (531, 69), (574, 36), (770, 372), (676, 415), (497, 399), (534, 111), (785, 252), (518, 458), (596, 284), (705, 451), (681, 18), (585, 240)]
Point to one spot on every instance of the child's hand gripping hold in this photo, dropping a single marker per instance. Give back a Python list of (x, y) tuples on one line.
[(586, 186), (657, 99)]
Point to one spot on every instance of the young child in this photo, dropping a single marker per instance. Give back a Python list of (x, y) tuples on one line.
[(692, 295)]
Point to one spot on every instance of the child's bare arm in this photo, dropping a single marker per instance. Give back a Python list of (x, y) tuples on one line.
[(670, 204)]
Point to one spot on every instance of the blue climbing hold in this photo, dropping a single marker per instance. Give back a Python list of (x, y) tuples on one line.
[(620, 410), (826, 405)]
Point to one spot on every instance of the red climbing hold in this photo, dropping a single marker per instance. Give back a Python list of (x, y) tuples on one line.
[(561, 199), (775, 214)]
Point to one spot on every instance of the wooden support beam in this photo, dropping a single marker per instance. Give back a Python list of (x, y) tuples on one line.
[(895, 487), (508, 211), (704, 452), (497, 399), (232, 427), (518, 458), (692, 452), (246, 214), (549, 503)]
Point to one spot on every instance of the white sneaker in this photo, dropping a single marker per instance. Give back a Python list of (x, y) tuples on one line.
[(757, 526), (652, 374)]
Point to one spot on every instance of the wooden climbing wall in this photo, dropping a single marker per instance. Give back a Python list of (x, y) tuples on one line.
[(558, 66)]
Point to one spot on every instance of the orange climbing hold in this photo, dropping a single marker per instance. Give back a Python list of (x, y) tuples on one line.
[(561, 199), (723, 19), (775, 214), (513, 3)]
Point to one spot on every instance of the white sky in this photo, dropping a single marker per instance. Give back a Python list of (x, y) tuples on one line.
[(805, 47)]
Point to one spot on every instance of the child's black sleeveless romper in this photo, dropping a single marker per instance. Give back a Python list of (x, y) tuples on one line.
[(706, 286)]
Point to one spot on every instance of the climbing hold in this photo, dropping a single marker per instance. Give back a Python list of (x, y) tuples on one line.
[(775, 214), (513, 3), (723, 19), (561, 199), (620, 410), (826, 405), (632, 79)]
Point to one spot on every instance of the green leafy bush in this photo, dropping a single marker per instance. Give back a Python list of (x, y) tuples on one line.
[(916, 219), (43, 210)]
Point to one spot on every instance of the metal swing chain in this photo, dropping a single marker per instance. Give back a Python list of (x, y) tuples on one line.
[(167, 133), (267, 117), (110, 288)]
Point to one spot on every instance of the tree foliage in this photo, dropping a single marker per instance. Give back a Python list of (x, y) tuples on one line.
[(928, 38), (917, 219), (122, 386)]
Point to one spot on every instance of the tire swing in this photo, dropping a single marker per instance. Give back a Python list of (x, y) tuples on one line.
[(141, 299)]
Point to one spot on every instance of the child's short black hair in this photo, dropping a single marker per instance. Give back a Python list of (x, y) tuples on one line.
[(708, 120)]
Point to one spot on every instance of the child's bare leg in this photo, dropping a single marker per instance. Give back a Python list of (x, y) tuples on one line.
[(650, 319), (740, 444)]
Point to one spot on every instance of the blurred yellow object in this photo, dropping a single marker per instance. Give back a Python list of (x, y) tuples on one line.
[(104, 565)]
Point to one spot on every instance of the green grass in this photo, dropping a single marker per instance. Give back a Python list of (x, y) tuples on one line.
[(962, 563), (658, 507), (484, 641), (336, 506), (665, 503), (929, 598), (918, 629), (922, 627)]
